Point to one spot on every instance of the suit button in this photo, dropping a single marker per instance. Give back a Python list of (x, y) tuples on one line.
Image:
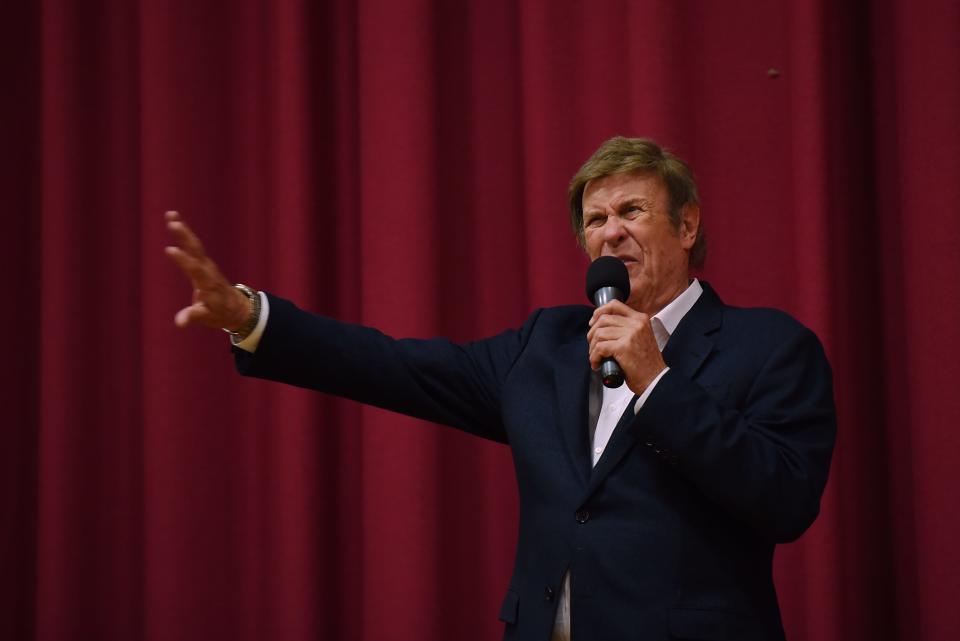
[(548, 593), (648, 444), (582, 516)]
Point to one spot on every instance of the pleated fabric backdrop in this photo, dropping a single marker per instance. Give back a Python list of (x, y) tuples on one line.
[(404, 164)]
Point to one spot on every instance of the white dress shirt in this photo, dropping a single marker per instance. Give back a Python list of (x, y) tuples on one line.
[(249, 344)]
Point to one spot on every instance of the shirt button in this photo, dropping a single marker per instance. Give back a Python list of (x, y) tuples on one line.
[(598, 450), (582, 516)]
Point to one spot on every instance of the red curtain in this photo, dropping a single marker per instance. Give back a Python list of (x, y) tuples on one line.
[(404, 164)]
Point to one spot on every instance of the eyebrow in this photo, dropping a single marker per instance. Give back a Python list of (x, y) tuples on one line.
[(633, 200)]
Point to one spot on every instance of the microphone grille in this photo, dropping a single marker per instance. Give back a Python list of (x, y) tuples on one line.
[(607, 271)]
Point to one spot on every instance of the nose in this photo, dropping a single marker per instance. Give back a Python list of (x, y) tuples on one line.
[(613, 230)]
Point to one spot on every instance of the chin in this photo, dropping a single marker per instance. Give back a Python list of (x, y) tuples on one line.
[(638, 284)]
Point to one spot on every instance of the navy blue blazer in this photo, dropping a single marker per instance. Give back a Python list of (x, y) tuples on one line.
[(671, 535)]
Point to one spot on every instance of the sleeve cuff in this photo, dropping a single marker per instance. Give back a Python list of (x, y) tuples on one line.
[(646, 393)]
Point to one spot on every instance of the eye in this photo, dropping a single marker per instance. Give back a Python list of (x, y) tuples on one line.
[(594, 221), (631, 212)]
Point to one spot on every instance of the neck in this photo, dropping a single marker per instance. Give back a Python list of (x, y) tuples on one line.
[(665, 297)]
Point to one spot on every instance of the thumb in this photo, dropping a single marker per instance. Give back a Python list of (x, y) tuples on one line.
[(191, 315)]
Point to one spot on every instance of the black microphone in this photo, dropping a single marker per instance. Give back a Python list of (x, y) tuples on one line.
[(608, 279)]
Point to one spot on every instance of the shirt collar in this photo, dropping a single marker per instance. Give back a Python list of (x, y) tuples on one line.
[(671, 315)]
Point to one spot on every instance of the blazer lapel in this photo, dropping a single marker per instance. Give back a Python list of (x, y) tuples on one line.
[(693, 339), (572, 380), (620, 443), (685, 352)]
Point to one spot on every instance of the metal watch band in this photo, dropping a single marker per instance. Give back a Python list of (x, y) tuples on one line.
[(251, 323)]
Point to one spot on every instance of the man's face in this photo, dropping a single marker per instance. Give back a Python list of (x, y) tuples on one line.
[(626, 215)]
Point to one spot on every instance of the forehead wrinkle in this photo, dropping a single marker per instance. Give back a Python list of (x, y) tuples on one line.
[(649, 185), (618, 203)]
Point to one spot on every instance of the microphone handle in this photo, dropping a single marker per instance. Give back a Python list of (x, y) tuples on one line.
[(604, 295), (610, 372)]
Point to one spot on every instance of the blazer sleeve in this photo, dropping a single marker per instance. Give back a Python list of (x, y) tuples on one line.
[(432, 379), (764, 455)]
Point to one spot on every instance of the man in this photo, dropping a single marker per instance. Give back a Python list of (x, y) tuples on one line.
[(649, 511)]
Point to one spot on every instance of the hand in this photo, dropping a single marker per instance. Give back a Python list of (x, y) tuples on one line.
[(216, 302), (626, 335)]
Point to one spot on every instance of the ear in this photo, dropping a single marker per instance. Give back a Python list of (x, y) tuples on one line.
[(689, 224)]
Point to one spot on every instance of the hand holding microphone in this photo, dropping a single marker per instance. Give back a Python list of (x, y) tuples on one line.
[(622, 344), (607, 280)]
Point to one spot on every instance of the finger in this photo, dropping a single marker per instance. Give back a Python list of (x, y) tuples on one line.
[(605, 341), (196, 314), (617, 308), (187, 240), (183, 260), (613, 320), (202, 272), (613, 308), (602, 321), (198, 271), (603, 349), (596, 329), (182, 318), (606, 334), (608, 321), (594, 356), (598, 316), (594, 359), (599, 351)]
